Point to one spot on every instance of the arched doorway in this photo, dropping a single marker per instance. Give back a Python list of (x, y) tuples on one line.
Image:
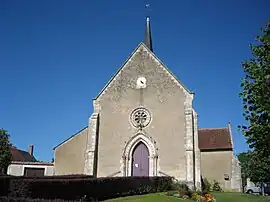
[(140, 160)]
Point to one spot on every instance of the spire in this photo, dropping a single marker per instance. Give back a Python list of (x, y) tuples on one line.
[(148, 37)]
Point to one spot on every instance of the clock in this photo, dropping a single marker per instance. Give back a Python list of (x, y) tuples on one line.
[(141, 82)]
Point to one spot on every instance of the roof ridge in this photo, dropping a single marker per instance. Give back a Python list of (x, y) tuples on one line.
[(103, 90), (168, 70), (221, 128), (70, 137), (15, 148)]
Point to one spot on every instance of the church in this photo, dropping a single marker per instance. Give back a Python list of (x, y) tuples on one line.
[(144, 124)]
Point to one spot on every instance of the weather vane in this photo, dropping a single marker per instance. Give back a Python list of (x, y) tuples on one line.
[(147, 6)]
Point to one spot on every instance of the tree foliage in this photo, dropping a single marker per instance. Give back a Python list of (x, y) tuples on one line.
[(256, 103), (244, 159), (254, 166), (5, 150)]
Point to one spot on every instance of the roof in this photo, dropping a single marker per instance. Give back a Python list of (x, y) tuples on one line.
[(22, 156), (214, 138)]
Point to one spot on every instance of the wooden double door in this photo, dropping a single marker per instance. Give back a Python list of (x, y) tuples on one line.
[(140, 160)]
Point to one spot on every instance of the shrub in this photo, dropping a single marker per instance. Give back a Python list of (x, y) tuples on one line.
[(4, 184), (216, 186), (18, 185), (206, 185), (195, 196), (180, 187), (12, 199), (171, 193), (189, 193), (92, 189)]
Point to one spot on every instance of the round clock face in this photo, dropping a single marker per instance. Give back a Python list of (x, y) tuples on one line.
[(141, 82)]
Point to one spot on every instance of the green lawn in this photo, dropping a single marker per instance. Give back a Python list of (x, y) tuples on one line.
[(239, 197), (159, 197), (221, 197)]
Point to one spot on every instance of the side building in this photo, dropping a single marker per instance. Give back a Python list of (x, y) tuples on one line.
[(25, 164), (218, 162)]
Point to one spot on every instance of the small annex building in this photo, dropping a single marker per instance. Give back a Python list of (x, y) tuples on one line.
[(25, 164)]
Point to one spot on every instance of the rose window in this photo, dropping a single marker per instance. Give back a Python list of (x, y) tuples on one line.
[(140, 117)]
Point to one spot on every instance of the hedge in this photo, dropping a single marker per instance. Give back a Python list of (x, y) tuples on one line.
[(12, 199), (6, 180), (88, 188)]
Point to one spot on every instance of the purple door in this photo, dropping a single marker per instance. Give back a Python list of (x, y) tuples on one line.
[(140, 160)]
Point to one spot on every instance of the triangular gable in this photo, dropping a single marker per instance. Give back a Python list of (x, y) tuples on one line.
[(66, 140), (138, 48)]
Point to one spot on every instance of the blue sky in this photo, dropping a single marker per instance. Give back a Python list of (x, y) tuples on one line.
[(55, 56)]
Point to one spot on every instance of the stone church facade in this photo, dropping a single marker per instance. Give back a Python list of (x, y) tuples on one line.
[(144, 124)]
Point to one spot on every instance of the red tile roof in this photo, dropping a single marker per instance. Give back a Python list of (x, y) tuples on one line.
[(214, 138), (23, 156)]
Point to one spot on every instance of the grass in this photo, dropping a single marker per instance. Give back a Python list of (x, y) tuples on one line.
[(240, 197), (158, 197), (221, 197)]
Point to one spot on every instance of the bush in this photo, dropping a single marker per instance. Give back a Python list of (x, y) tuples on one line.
[(206, 185), (12, 199), (18, 184), (195, 196), (92, 189), (180, 187), (4, 185), (216, 186)]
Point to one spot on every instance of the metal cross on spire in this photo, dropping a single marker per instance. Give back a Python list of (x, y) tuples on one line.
[(147, 8), (148, 37)]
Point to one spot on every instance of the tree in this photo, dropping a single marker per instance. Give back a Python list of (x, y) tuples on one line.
[(258, 167), (254, 166), (267, 35), (244, 159), (256, 103), (5, 150)]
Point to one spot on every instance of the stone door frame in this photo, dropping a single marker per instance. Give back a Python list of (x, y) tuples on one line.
[(126, 161)]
